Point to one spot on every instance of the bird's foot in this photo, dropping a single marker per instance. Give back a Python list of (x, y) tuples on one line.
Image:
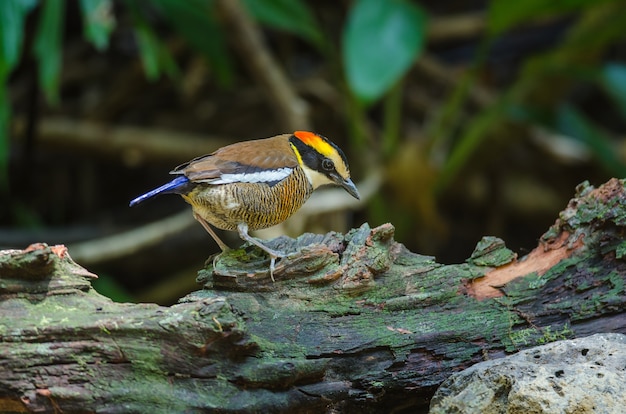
[(273, 256), (213, 259)]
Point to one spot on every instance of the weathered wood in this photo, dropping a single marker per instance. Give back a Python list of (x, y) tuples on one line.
[(353, 323)]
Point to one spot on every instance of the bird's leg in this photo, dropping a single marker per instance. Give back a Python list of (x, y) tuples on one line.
[(208, 228), (274, 254)]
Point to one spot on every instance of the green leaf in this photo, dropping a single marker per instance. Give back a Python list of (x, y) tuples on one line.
[(149, 50), (98, 21), (109, 287), (473, 136), (505, 14), (574, 124), (155, 56), (5, 115), (12, 16), (47, 48), (292, 16), (195, 21), (613, 79), (381, 40)]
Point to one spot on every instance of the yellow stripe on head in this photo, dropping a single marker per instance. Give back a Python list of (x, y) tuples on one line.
[(325, 148), (313, 140), (295, 150)]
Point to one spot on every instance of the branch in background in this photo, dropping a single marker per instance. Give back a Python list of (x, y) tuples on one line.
[(132, 241), (463, 26), (134, 145), (292, 112)]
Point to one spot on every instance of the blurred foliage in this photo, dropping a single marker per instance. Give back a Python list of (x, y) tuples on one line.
[(504, 15), (290, 16), (108, 286), (598, 28), (381, 39), (47, 48), (155, 56), (12, 16), (99, 22), (380, 43)]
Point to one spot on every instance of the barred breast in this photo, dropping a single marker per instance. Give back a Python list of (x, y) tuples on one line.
[(259, 205)]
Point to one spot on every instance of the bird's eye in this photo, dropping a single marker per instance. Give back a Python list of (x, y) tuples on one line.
[(328, 165)]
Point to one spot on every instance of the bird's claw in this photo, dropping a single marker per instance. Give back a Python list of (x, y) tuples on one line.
[(273, 256)]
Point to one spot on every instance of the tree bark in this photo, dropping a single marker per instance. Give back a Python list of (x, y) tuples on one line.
[(353, 323)]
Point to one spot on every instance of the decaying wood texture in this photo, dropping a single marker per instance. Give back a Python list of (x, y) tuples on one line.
[(353, 323)]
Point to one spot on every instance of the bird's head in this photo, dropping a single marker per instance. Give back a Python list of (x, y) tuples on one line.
[(323, 162)]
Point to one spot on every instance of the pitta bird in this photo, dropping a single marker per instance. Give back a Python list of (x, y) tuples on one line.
[(256, 184)]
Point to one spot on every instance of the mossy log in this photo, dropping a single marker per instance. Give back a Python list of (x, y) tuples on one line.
[(353, 323)]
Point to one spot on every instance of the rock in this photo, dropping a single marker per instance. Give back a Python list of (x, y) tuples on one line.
[(584, 375)]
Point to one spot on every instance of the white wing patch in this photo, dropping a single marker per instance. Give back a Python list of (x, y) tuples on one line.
[(268, 176)]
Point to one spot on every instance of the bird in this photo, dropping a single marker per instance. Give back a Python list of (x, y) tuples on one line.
[(255, 184)]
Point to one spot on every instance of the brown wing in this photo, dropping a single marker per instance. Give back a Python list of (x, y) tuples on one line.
[(241, 158)]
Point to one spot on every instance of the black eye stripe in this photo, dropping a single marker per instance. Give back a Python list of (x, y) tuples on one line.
[(313, 159)]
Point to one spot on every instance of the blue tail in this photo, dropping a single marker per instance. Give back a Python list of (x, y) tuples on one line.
[(170, 187)]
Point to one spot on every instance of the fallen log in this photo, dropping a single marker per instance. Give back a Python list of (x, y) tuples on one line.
[(353, 323)]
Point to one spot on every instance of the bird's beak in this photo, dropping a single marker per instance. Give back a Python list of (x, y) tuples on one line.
[(349, 186)]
